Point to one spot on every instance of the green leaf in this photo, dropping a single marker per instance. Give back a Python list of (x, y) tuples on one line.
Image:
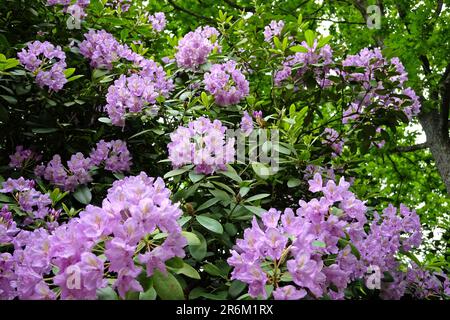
[(105, 120), (68, 72), (188, 271), (298, 49), (256, 210), (236, 288), (293, 182), (319, 244), (107, 293), (261, 170), (208, 204), (78, 76), (195, 177), (210, 224), (191, 238), (411, 256), (9, 99), (150, 294), (277, 42), (212, 270), (309, 37), (176, 172), (324, 40), (83, 195), (183, 220), (220, 194), (198, 252), (232, 174), (258, 197), (167, 286), (4, 198), (205, 99), (175, 263), (44, 130)]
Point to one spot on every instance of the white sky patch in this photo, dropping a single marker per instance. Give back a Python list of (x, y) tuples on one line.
[(324, 28), (417, 128)]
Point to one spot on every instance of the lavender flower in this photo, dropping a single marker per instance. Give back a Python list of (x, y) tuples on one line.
[(158, 21), (226, 83), (273, 29), (372, 62), (247, 124), (203, 144), (29, 199), (194, 48), (136, 209), (76, 9), (299, 243), (47, 63), (22, 157), (333, 139), (113, 155), (306, 61)]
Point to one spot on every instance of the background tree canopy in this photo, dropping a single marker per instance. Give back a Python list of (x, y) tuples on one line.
[(97, 97)]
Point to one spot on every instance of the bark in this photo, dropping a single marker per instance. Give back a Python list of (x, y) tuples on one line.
[(438, 143)]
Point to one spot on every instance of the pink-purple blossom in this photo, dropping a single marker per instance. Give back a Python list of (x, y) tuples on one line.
[(226, 83), (23, 157), (297, 65), (46, 62), (194, 48), (70, 258), (298, 243), (113, 156), (273, 30), (204, 144), (158, 21)]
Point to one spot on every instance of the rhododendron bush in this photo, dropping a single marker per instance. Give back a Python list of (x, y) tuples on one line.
[(142, 159)]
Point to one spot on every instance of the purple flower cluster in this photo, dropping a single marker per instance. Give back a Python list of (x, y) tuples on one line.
[(75, 9), (311, 246), (246, 124), (129, 95), (203, 143), (306, 61), (373, 62), (74, 258), (101, 48), (114, 155), (22, 157), (195, 47), (158, 21), (47, 63), (8, 227), (31, 201), (333, 139), (226, 83), (273, 30), (124, 5)]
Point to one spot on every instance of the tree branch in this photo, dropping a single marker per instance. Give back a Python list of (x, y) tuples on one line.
[(192, 13), (335, 21), (438, 11), (239, 7), (445, 105), (416, 147)]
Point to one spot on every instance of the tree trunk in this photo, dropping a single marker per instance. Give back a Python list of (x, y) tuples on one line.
[(439, 144)]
